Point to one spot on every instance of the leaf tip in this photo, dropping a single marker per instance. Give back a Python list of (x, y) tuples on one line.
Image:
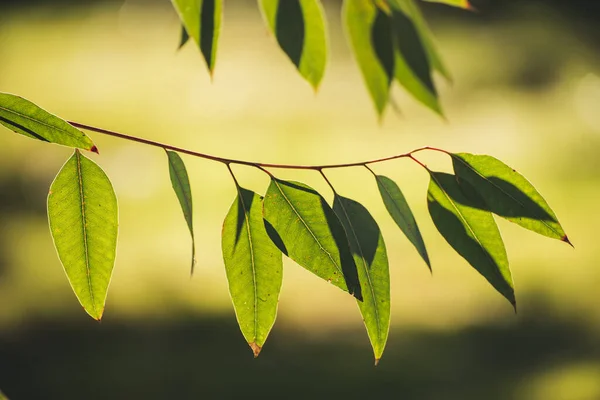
[(94, 149), (567, 241), (377, 361), (514, 304), (255, 349)]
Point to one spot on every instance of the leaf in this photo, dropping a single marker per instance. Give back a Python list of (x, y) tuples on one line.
[(83, 216), (299, 27), (305, 228), (184, 37), (181, 185), (370, 256), (201, 20), (400, 211), (3, 396), (24, 117), (508, 194), (254, 268), (370, 34), (455, 3), (471, 231)]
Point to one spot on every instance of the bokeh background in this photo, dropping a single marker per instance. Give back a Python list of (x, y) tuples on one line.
[(526, 90)]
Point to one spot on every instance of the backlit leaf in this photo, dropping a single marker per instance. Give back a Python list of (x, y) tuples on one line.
[(83, 216), (471, 231), (305, 228), (24, 117), (370, 257), (508, 194), (400, 211), (254, 268), (202, 22), (455, 3), (181, 185), (370, 34), (299, 26)]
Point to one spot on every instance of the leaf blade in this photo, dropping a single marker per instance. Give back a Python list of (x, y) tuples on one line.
[(471, 231), (305, 228), (180, 182), (370, 256), (454, 3), (24, 117), (83, 217), (254, 268)]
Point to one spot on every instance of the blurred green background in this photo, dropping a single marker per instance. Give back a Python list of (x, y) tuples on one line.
[(526, 90)]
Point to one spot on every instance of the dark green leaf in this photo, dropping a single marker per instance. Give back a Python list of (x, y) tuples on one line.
[(24, 117), (83, 216), (370, 35), (254, 268), (398, 207), (184, 37), (370, 256), (508, 194), (181, 185), (305, 228), (201, 20), (471, 231), (299, 26)]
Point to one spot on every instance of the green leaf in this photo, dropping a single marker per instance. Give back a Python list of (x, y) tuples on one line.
[(83, 216), (184, 37), (471, 231), (254, 268), (369, 31), (202, 21), (455, 3), (181, 185), (370, 256), (24, 117), (299, 26), (508, 194), (305, 228), (400, 211), (3, 396)]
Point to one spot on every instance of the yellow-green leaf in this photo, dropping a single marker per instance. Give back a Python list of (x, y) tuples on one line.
[(254, 268), (83, 216), (455, 3)]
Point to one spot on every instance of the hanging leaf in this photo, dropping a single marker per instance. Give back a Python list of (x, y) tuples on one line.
[(201, 20), (184, 37), (181, 185), (400, 211), (369, 31), (471, 231), (455, 3), (508, 194), (370, 257), (24, 117), (299, 26), (305, 228), (83, 216), (254, 268)]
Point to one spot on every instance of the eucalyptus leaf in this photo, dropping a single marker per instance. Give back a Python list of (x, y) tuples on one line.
[(306, 229), (299, 27), (184, 37), (471, 231), (455, 3), (400, 211), (508, 194), (181, 185), (369, 31), (370, 257), (201, 20), (3, 396), (83, 216), (254, 268), (24, 117)]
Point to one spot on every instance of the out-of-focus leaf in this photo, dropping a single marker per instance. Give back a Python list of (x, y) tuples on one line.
[(305, 228), (254, 268), (181, 185), (455, 3), (508, 194), (370, 257), (299, 26), (184, 37), (3, 396), (24, 117), (201, 20), (369, 31), (83, 216), (400, 211), (471, 231)]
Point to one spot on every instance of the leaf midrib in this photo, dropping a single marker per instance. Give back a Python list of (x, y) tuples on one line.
[(39, 121)]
